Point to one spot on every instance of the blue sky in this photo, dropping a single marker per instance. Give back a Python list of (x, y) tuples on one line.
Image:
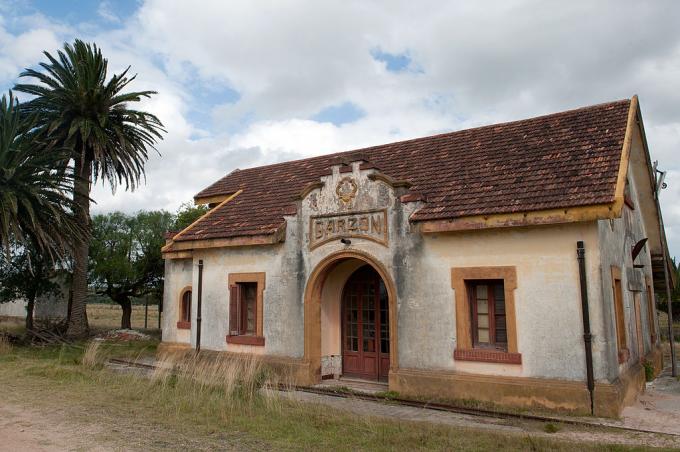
[(78, 13), (249, 83)]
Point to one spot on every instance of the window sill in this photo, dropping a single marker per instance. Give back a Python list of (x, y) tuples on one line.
[(246, 340), (181, 325), (487, 356)]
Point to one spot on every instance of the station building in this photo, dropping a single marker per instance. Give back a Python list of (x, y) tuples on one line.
[(461, 266)]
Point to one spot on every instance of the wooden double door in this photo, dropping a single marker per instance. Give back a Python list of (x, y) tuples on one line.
[(365, 326)]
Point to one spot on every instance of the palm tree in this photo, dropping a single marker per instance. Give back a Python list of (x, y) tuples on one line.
[(80, 110), (36, 210)]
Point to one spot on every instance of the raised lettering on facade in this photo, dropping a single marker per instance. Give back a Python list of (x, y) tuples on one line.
[(371, 225)]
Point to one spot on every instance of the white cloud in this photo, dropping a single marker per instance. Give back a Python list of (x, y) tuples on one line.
[(25, 49), (105, 12), (479, 63)]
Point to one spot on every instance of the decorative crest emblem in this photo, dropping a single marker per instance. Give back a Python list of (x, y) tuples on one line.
[(346, 189)]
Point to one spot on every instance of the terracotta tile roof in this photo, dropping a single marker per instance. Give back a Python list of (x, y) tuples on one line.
[(566, 159)]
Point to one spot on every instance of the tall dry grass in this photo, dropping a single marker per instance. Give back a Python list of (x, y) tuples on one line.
[(92, 356), (5, 345), (216, 383)]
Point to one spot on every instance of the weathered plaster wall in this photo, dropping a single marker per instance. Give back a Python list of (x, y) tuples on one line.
[(548, 311), (178, 275), (547, 298), (51, 306), (13, 309), (282, 305), (616, 238)]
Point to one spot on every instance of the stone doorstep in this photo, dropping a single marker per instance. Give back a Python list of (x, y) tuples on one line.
[(354, 384)]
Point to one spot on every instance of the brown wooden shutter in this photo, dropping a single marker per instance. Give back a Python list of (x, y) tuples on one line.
[(234, 304)]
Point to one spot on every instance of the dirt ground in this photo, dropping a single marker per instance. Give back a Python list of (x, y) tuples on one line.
[(22, 428), (33, 417), (50, 428), (658, 409)]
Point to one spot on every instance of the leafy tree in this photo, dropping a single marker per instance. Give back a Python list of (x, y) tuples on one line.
[(35, 209), (125, 256), (187, 214), (26, 274), (79, 109)]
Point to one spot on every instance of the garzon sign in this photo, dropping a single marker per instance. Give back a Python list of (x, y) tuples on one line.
[(369, 225)]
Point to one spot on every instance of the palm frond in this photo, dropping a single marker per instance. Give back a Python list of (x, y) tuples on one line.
[(35, 206), (80, 110)]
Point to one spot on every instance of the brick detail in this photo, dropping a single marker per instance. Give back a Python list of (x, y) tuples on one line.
[(487, 356), (245, 340), (183, 325)]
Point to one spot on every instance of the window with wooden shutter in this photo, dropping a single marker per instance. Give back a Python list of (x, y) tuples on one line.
[(246, 294), (486, 328), (619, 313), (234, 302)]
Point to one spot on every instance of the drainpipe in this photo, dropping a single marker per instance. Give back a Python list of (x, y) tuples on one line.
[(198, 307), (587, 337)]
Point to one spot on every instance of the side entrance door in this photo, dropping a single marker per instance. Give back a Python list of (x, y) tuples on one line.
[(366, 335)]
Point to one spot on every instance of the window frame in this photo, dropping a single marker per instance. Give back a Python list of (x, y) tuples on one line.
[(234, 335), (472, 285), (182, 323), (465, 350), (619, 315)]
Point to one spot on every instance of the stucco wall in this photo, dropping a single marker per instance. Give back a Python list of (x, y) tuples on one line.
[(51, 306), (178, 275), (13, 309), (282, 305), (616, 238), (547, 298)]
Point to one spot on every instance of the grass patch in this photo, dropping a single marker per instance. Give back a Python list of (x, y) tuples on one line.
[(551, 428), (5, 345), (649, 370), (389, 395), (208, 402)]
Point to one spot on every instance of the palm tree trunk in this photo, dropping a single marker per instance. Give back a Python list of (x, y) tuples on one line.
[(77, 325)]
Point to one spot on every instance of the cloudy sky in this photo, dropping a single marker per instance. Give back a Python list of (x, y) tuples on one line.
[(253, 82)]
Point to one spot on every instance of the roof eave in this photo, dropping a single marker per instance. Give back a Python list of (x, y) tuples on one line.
[(520, 219), (177, 250)]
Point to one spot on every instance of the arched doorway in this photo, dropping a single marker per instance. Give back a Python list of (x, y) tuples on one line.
[(365, 326), (324, 276)]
